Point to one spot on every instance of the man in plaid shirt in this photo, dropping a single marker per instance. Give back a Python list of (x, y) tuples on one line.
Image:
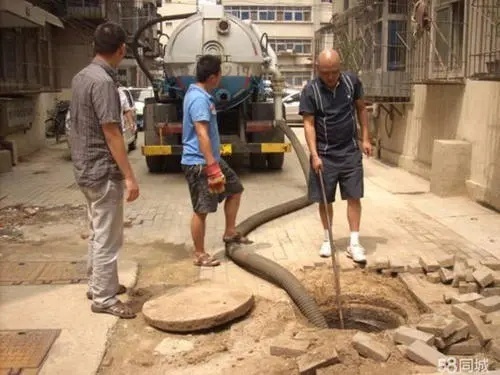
[(101, 166)]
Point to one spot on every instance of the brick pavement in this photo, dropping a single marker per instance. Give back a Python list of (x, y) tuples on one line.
[(397, 221)]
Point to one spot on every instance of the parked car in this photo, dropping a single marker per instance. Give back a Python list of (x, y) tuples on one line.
[(139, 95), (129, 133), (291, 103)]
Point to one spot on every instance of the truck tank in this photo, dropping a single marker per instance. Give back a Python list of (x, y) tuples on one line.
[(247, 119)]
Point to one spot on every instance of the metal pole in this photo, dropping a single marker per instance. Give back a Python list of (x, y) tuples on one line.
[(335, 264)]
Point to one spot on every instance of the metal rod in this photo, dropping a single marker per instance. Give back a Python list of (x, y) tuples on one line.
[(335, 263)]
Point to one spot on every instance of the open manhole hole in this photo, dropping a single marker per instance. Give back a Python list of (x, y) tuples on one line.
[(370, 302), (367, 315)]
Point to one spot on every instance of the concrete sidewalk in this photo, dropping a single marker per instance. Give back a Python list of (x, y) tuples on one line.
[(82, 342), (401, 220)]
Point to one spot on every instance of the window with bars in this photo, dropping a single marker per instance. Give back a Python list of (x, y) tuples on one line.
[(295, 45), (271, 14), (396, 51), (25, 62), (449, 37)]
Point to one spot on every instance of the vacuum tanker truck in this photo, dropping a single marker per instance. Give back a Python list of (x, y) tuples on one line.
[(248, 120)]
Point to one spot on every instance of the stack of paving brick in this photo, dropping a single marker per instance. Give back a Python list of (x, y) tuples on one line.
[(467, 275), (474, 328)]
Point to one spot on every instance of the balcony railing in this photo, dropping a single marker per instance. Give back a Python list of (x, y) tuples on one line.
[(484, 40), (379, 57), (439, 54)]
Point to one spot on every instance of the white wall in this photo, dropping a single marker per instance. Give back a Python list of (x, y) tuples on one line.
[(469, 112)]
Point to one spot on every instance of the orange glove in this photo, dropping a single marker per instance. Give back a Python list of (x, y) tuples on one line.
[(216, 179)]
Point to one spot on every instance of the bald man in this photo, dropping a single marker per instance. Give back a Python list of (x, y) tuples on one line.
[(329, 105)]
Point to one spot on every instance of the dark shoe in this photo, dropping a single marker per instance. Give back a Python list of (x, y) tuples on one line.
[(119, 309), (121, 290)]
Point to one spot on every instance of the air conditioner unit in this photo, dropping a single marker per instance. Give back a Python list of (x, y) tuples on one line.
[(16, 114)]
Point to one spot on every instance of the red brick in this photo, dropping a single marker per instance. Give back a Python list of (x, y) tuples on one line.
[(323, 356), (368, 347), (423, 354), (428, 263), (484, 276), (469, 347), (488, 305), (289, 347), (407, 335)]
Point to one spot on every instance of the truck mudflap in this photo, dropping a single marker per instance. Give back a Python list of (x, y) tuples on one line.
[(225, 149)]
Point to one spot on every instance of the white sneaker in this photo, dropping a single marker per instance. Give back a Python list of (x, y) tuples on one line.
[(357, 253), (325, 250)]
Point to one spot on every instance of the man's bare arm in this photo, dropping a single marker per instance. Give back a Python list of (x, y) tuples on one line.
[(201, 128), (310, 134), (114, 139), (130, 117), (363, 119)]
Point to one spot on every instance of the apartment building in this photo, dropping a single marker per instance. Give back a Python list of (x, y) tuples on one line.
[(290, 26), (432, 69), (43, 44)]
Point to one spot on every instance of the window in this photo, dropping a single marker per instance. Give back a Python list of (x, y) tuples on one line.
[(398, 7), (296, 45), (271, 14), (449, 35), (25, 59), (346, 4), (296, 79), (396, 51)]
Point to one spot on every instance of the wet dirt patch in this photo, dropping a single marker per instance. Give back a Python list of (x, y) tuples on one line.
[(14, 219)]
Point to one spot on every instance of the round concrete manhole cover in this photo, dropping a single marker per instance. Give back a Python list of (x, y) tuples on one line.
[(197, 307)]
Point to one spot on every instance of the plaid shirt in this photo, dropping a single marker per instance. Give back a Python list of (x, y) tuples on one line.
[(95, 101)]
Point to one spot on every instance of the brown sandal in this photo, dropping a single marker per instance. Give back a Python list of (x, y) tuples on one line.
[(237, 238), (119, 309), (121, 289), (205, 260)]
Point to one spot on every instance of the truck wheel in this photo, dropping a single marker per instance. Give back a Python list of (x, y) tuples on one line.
[(156, 164), (275, 161), (258, 161), (173, 164)]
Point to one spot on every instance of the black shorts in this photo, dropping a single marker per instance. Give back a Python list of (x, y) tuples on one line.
[(346, 171), (201, 199)]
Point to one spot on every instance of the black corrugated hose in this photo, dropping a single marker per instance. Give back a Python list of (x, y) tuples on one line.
[(266, 268)]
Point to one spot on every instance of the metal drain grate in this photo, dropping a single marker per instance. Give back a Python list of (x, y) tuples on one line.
[(26, 273), (25, 349)]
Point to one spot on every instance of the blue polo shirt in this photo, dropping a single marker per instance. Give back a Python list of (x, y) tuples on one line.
[(198, 105), (334, 113)]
